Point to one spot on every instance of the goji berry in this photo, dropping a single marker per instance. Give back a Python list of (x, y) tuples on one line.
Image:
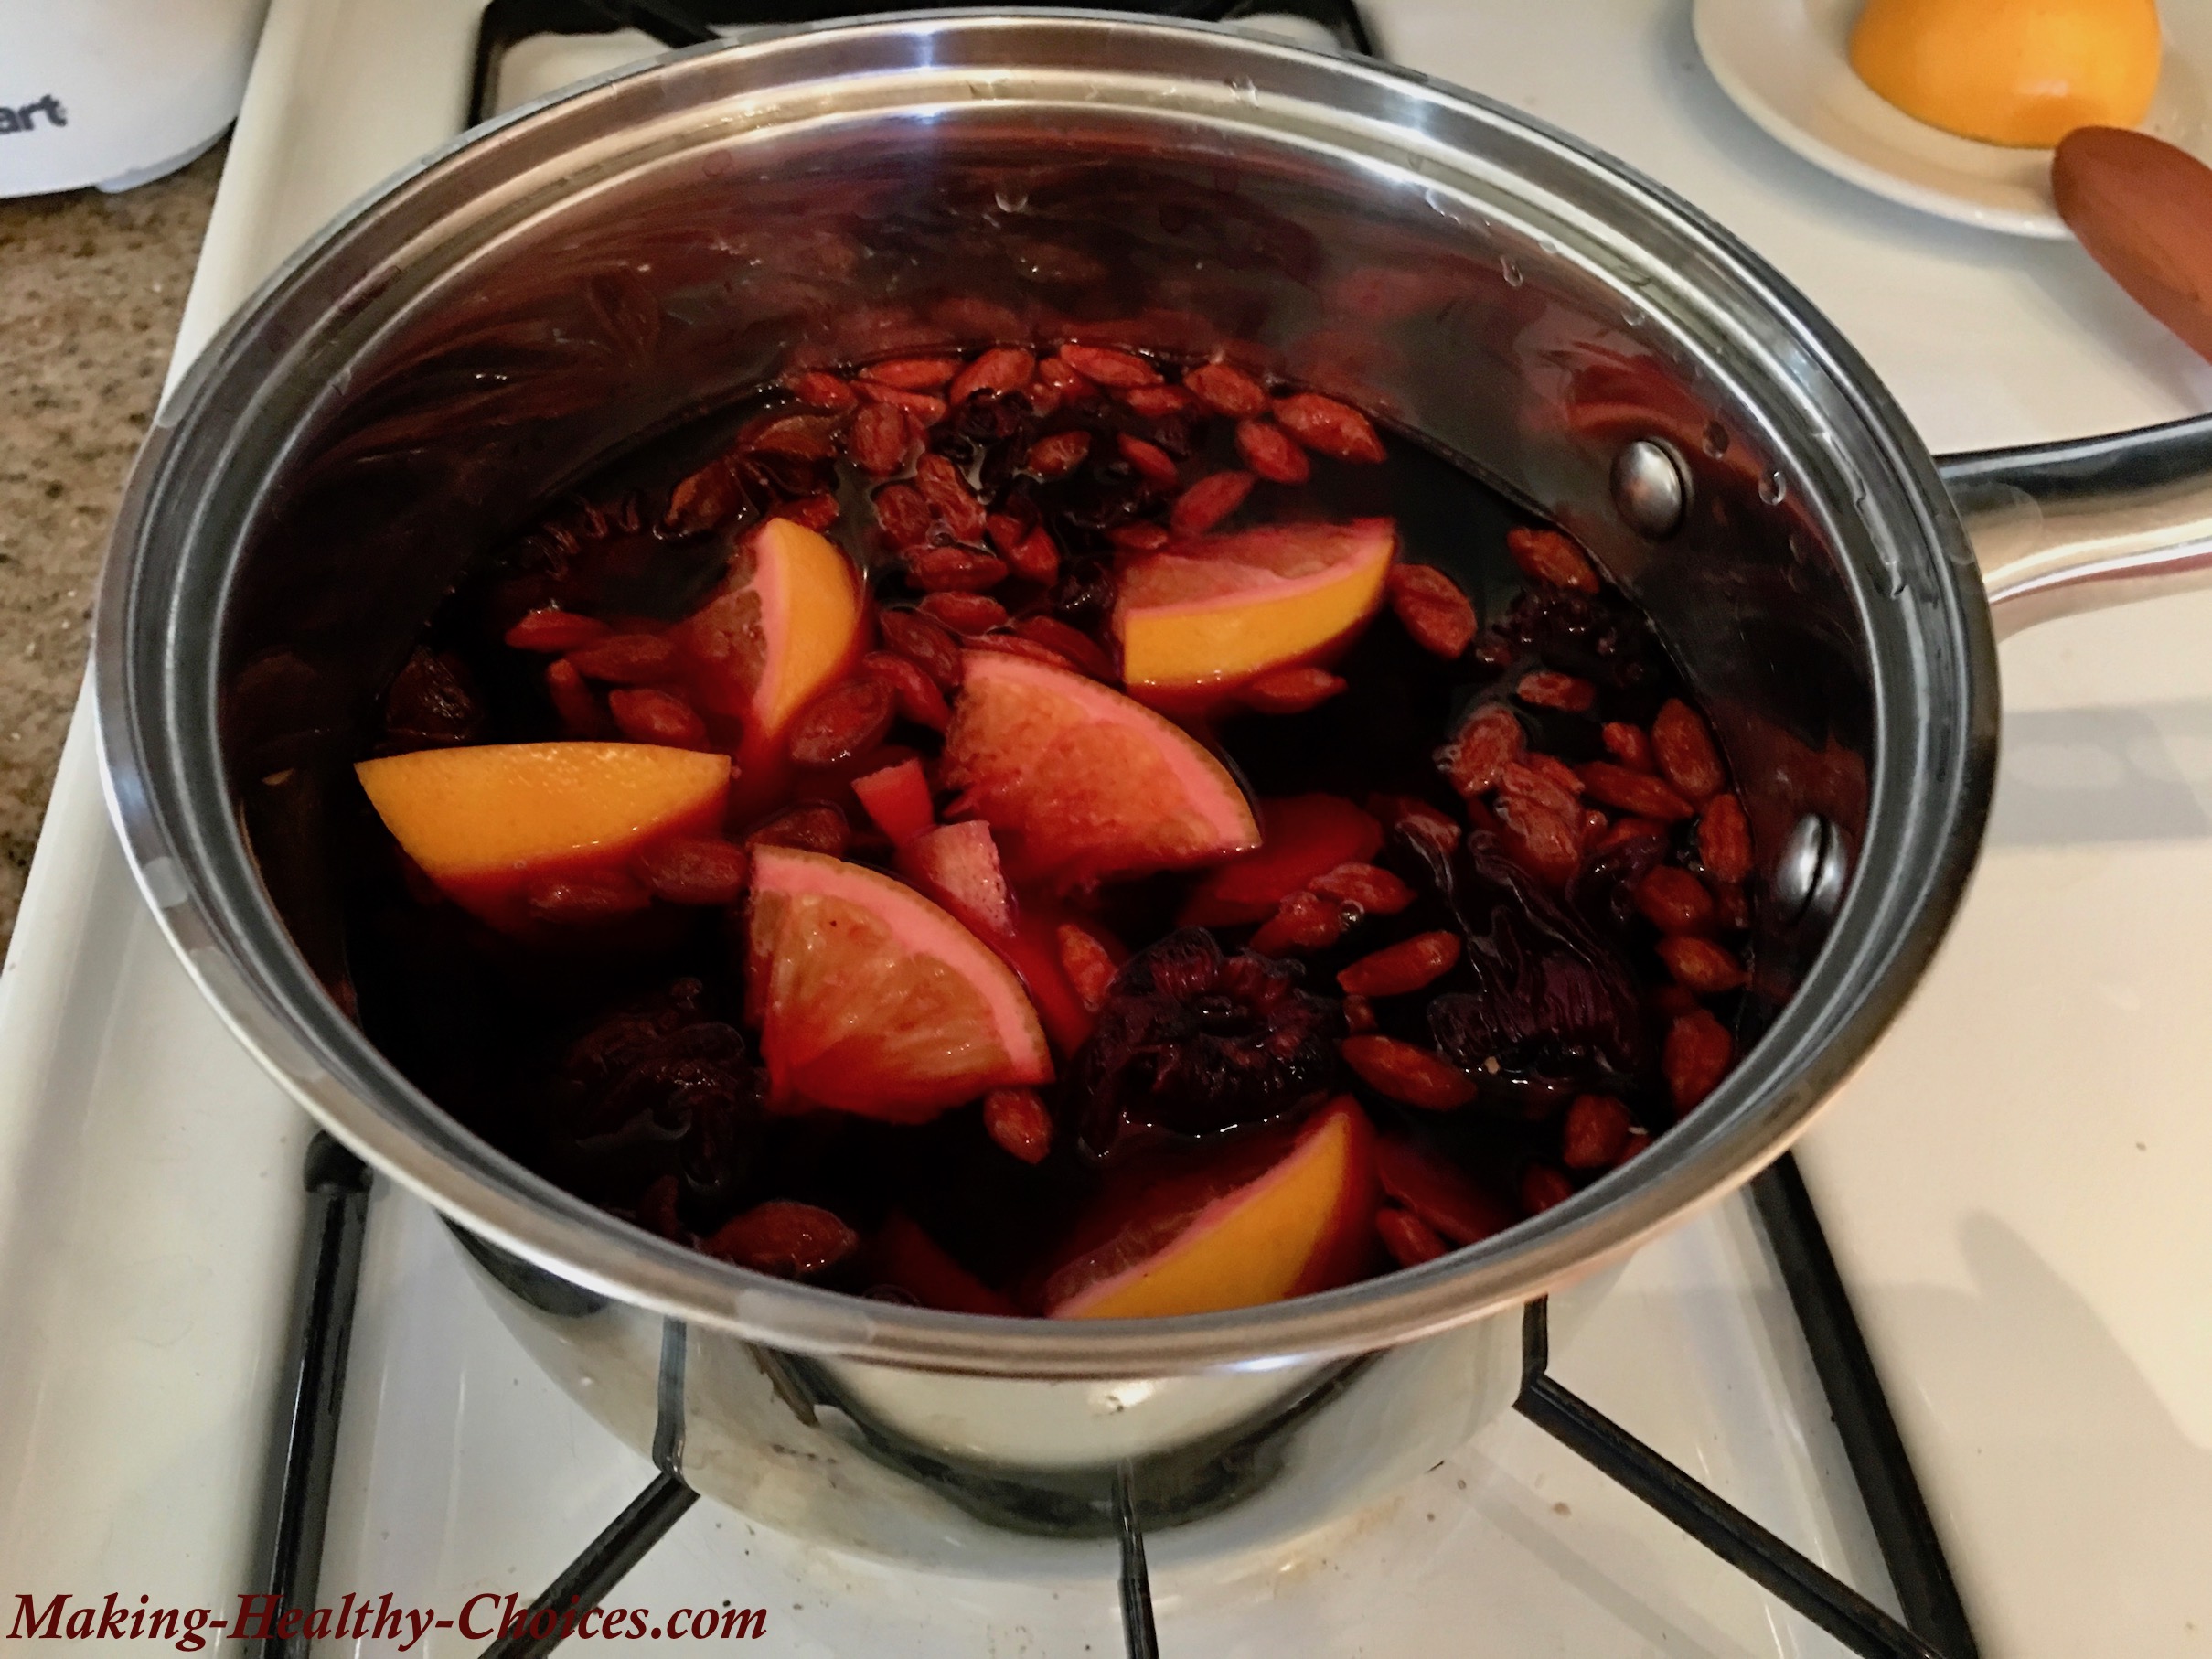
[(1086, 962), (1058, 456), (964, 613), (1001, 368), (1071, 642), (818, 827), (629, 659), (1638, 1139), (555, 631), (1410, 1240), (1594, 1131), (1556, 772), (1332, 428), (1674, 900), (844, 720), (1270, 452), (817, 512), (1530, 784), (1542, 1187), (646, 716), (1366, 888), (1631, 745), (948, 491), (1433, 609), (693, 869), (1106, 366), (1065, 380), (912, 374), (1594, 824), (1210, 500), (580, 901), (1637, 792), (1138, 538), (936, 570), (1359, 1016), (1015, 645), (1546, 689), (922, 410), (1416, 818), (1437, 1192), (823, 391), (1017, 1120), (1544, 843), (1156, 402), (1405, 1074), (1684, 751), (1724, 839), (1226, 390), (1696, 1055), (1475, 758), (916, 694), (1004, 532), (579, 711), (1407, 966), (1043, 397), (1303, 921), (924, 644), (1035, 557), (1153, 463), (1290, 691), (878, 439), (790, 1241), (1705, 968), (1546, 556), (903, 515)]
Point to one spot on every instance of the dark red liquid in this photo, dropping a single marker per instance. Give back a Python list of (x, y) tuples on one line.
[(614, 1059)]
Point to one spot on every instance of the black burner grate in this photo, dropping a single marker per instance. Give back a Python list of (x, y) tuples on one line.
[(508, 23), (1934, 1627)]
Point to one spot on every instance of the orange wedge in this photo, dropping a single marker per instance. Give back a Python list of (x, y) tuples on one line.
[(1081, 782), (786, 624), (1300, 1225), (871, 999), (1203, 616), (485, 823)]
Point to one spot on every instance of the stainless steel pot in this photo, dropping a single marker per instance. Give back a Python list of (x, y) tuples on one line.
[(547, 290)]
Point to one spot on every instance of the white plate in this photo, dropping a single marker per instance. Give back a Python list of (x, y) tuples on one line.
[(1785, 63)]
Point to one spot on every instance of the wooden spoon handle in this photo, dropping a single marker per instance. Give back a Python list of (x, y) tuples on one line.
[(2144, 211)]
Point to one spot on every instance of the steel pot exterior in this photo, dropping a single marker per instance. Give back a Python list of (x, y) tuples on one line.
[(483, 326)]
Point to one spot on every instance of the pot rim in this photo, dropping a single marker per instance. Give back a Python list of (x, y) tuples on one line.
[(189, 867)]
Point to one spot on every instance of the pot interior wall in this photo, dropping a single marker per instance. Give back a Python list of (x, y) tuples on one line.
[(554, 332)]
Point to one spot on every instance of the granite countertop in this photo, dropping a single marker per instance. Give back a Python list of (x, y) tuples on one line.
[(91, 289)]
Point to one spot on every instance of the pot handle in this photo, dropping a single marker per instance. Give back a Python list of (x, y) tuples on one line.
[(2064, 528)]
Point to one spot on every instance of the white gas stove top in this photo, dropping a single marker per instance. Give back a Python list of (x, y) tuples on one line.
[(2007, 1184)]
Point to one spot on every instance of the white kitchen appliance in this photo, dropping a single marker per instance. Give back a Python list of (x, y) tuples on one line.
[(117, 92)]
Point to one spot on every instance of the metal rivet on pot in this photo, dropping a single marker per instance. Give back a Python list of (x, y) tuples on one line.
[(1650, 487), (1809, 877)]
